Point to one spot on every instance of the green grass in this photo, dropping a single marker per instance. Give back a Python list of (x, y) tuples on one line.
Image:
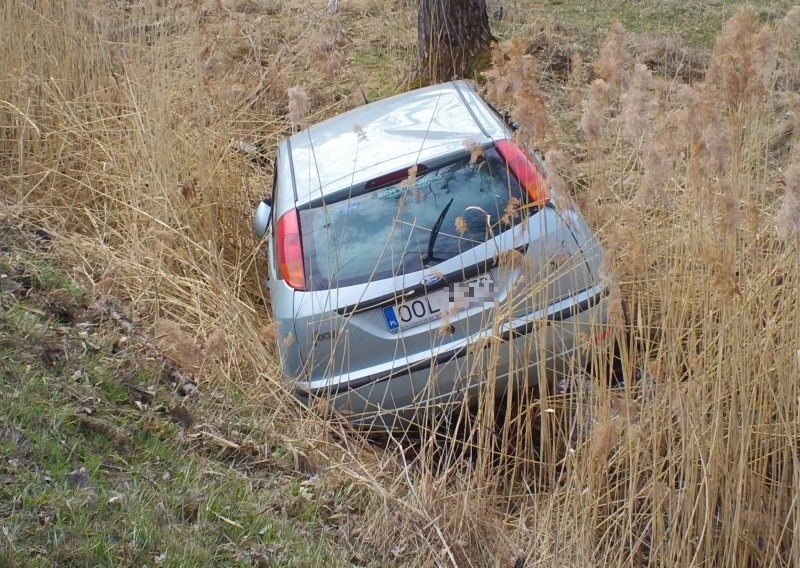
[(696, 23), (155, 494)]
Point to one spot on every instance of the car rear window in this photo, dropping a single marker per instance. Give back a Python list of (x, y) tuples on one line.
[(387, 232)]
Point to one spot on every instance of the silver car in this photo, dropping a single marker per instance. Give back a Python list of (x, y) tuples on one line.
[(416, 260)]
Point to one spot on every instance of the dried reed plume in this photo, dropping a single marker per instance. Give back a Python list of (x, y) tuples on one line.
[(614, 59), (641, 104), (475, 150), (744, 60), (646, 127), (411, 179), (788, 31), (658, 163), (461, 225), (576, 79), (559, 189), (511, 211), (513, 83), (299, 104), (594, 108), (788, 219), (705, 126)]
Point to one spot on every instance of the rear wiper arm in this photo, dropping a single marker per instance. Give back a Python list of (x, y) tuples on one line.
[(435, 231)]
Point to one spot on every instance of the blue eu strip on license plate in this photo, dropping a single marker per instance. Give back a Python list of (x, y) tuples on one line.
[(391, 319)]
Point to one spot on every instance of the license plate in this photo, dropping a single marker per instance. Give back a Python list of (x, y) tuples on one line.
[(432, 307)]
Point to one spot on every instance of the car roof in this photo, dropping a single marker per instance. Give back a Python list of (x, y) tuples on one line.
[(386, 136)]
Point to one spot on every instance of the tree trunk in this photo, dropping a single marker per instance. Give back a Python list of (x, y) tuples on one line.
[(453, 38)]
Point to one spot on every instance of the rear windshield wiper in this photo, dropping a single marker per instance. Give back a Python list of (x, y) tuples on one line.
[(435, 232)]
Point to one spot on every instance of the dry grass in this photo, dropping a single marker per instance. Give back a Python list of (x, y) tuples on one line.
[(115, 132)]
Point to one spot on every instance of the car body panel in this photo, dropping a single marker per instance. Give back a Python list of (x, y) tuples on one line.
[(388, 135), (545, 294), (460, 376), (333, 342)]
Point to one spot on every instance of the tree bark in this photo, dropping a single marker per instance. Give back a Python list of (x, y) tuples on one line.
[(454, 38)]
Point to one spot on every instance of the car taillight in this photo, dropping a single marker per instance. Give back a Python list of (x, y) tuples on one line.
[(290, 250), (526, 173)]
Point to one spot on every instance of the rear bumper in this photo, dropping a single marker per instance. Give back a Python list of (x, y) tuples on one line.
[(546, 343)]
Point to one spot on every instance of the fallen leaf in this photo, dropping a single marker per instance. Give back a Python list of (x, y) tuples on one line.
[(116, 498)]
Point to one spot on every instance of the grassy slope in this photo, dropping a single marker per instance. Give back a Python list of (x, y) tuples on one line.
[(83, 390), (696, 24)]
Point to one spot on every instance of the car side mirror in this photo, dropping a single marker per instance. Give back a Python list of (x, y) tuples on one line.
[(262, 217)]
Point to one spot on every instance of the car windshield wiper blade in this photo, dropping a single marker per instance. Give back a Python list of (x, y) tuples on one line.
[(435, 231)]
